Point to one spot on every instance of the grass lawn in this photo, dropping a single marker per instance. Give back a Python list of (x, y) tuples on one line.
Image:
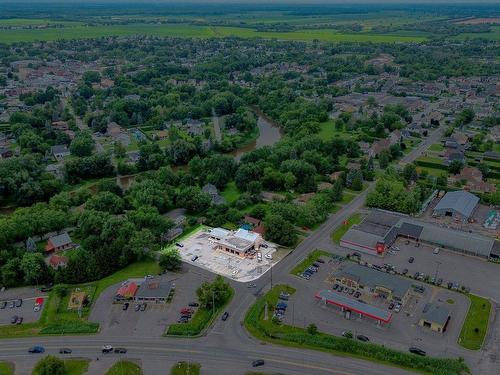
[(476, 323), (347, 197), (340, 231), (268, 331), (6, 368), (436, 147), (432, 171), (328, 131), (124, 368), (231, 192), (202, 318), (76, 366), (184, 368), (310, 259)]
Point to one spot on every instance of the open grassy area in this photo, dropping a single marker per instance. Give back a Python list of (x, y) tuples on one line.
[(6, 368), (340, 231), (268, 331), (76, 366), (476, 323), (78, 31), (436, 147), (202, 319), (124, 368), (328, 131), (309, 260), (185, 368)]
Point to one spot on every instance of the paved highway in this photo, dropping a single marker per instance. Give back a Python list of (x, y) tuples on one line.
[(227, 348)]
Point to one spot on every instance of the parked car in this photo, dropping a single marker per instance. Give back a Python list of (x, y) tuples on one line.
[(3, 304), (179, 244), (107, 349), (252, 285), (65, 351), (397, 308), (340, 289), (187, 310), (411, 259), (335, 286), (417, 351), (391, 306), (36, 349), (449, 285), (284, 296), (357, 294), (120, 350), (405, 271), (19, 302), (362, 338), (11, 304), (19, 320), (193, 259), (125, 306), (225, 316), (137, 307), (268, 256), (143, 306), (436, 250), (183, 319), (193, 304), (258, 362), (13, 320), (320, 261)]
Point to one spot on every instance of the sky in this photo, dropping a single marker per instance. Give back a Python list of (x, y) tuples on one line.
[(268, 2)]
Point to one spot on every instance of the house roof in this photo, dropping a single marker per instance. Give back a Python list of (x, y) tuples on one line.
[(435, 313), (59, 149), (373, 278), (57, 260), (460, 201), (127, 290), (60, 240)]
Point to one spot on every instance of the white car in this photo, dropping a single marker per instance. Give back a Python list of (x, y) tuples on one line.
[(36, 308), (269, 256), (436, 250)]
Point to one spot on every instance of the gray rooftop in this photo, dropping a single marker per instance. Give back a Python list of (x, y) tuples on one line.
[(357, 236), (435, 314), (59, 149), (60, 240), (460, 201), (372, 278), (153, 288), (354, 305)]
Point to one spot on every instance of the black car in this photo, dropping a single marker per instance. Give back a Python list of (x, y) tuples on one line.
[(411, 259), (362, 338), (65, 351), (36, 349), (120, 350), (417, 351), (320, 261), (13, 320), (193, 304), (125, 306), (137, 307), (179, 244), (258, 362), (225, 316)]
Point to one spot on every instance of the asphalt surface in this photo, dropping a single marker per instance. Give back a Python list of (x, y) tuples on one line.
[(226, 348)]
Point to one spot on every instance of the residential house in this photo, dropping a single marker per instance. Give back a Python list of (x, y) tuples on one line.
[(473, 180), (58, 261), (117, 134), (303, 198), (59, 243), (212, 190), (55, 170), (60, 151)]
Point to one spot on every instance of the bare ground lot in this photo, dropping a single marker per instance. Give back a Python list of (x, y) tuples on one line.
[(401, 333)]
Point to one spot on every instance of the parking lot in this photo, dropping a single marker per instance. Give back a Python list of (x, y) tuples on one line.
[(481, 276), (197, 250), (11, 307), (154, 320), (402, 332)]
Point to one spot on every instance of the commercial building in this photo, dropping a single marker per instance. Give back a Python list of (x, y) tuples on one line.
[(376, 233), (436, 317), (457, 204), (350, 305), (144, 290), (377, 283), (243, 243)]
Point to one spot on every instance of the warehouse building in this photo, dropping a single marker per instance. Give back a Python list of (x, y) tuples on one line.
[(377, 283), (436, 317), (457, 204), (380, 230)]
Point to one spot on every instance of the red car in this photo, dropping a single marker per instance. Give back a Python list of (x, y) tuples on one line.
[(187, 310)]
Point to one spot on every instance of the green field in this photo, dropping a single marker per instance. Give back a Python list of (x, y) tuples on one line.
[(124, 368), (340, 231), (185, 30), (476, 323), (184, 368), (6, 368)]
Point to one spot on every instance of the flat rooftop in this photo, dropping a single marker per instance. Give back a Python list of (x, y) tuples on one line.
[(354, 305)]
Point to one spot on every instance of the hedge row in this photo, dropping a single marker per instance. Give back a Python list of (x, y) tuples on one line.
[(432, 165), (295, 336)]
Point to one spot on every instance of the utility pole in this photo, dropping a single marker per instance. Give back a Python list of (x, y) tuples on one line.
[(437, 269), (271, 277)]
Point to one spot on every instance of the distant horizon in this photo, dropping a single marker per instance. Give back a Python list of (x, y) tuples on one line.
[(265, 2)]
